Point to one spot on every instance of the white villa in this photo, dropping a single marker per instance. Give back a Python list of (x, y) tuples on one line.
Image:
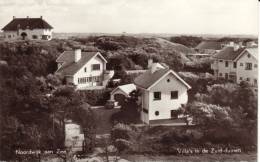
[(163, 93), (237, 64), (28, 28), (85, 70)]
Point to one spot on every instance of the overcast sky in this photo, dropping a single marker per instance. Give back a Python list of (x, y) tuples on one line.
[(139, 16)]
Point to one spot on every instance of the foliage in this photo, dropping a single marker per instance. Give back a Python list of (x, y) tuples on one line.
[(95, 97), (209, 115), (129, 112), (189, 41)]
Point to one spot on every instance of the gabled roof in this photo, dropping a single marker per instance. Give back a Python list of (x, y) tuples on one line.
[(127, 88), (69, 67), (214, 45), (24, 23), (148, 79), (228, 53), (253, 51)]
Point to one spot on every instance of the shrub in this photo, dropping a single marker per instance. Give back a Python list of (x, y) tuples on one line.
[(123, 145), (120, 134)]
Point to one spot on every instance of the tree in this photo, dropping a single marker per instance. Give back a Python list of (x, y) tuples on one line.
[(209, 116)]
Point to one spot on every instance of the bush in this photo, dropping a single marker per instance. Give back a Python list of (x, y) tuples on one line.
[(123, 145), (95, 97), (120, 134)]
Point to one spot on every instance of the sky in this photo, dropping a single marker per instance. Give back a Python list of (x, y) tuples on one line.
[(139, 16)]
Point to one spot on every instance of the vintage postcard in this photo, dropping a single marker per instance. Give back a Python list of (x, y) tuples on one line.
[(128, 80)]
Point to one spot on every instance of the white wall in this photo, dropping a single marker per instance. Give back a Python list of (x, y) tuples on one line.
[(221, 67), (241, 72), (30, 33), (10, 35), (89, 73), (166, 104)]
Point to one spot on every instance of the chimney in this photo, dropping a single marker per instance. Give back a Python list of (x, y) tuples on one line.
[(13, 17), (27, 17), (77, 54), (150, 63), (41, 17), (153, 68)]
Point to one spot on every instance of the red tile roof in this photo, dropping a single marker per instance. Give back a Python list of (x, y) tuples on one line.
[(24, 23)]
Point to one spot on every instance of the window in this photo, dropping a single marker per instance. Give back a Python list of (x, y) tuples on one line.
[(96, 67), (241, 64), (226, 63), (96, 79), (255, 81), (226, 75), (168, 80), (220, 60), (234, 65), (157, 96), (85, 69), (255, 65), (174, 94), (220, 74), (9, 36), (34, 37), (248, 56), (156, 113), (240, 78), (248, 66), (248, 79)]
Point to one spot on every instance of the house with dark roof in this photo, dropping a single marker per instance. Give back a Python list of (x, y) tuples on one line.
[(209, 47), (84, 70), (237, 63), (28, 28), (163, 93)]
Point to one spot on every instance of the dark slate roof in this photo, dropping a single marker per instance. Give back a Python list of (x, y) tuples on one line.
[(69, 67), (228, 53), (23, 23), (213, 45), (147, 79)]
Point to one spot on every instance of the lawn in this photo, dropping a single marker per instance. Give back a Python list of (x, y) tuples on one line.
[(251, 157)]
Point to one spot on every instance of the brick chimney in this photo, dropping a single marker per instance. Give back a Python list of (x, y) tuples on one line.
[(77, 54)]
